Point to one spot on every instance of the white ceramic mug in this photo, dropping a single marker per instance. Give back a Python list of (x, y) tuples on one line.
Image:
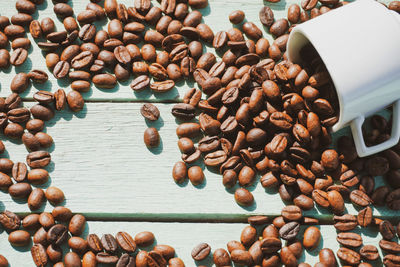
[(360, 46)]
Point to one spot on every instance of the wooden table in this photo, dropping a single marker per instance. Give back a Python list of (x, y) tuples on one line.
[(106, 172)]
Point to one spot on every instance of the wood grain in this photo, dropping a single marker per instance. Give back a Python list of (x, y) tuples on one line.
[(184, 236), (101, 163)]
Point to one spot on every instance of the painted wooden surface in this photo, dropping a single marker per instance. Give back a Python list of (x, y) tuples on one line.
[(184, 236), (100, 162)]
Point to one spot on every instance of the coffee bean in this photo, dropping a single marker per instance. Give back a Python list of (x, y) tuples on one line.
[(151, 137), (57, 234), (270, 245), (18, 56), (39, 255), (327, 257), (38, 159), (36, 199), (77, 224), (179, 172), (94, 243), (348, 256), (37, 176), (364, 217), (196, 175), (369, 252), (126, 242), (387, 230), (241, 257), (44, 97), (61, 214), (72, 259), (19, 238), (391, 260), (352, 240), (54, 195), (244, 197), (359, 198), (77, 244), (289, 231), (105, 258), (31, 222), (183, 111), (61, 69), (389, 246), (126, 261), (292, 213), (144, 239)]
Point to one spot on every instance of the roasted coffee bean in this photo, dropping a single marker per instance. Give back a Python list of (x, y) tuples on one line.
[(364, 217), (126, 242), (77, 224), (42, 112), (391, 260), (94, 243), (163, 86), (201, 251), (144, 239), (241, 257), (270, 245), (31, 222), (292, 213), (289, 231), (151, 137), (9, 220), (183, 111), (38, 159), (244, 197), (57, 234), (37, 176), (327, 257), (105, 258), (61, 214), (77, 244), (179, 172), (44, 97), (349, 239), (150, 112), (109, 243), (20, 190), (36, 199), (126, 261), (20, 83), (19, 171), (348, 256), (72, 259), (360, 198), (387, 230), (19, 115), (389, 246), (54, 195), (82, 60), (61, 69), (369, 252), (18, 56), (39, 255)]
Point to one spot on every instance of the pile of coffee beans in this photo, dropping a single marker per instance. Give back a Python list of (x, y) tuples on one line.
[(262, 115), (52, 231)]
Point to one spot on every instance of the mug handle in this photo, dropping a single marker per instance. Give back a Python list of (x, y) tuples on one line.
[(362, 149)]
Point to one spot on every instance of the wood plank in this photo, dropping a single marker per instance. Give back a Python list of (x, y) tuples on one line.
[(184, 236), (215, 15), (100, 162)]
